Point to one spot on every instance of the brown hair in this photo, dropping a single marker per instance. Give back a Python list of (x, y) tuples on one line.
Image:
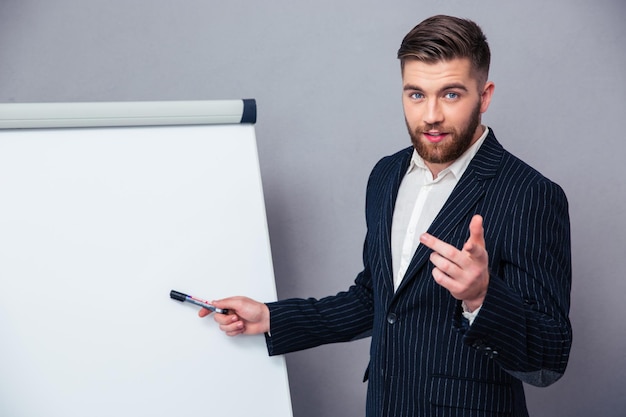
[(443, 38)]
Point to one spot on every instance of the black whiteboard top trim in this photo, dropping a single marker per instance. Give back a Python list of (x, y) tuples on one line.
[(130, 113)]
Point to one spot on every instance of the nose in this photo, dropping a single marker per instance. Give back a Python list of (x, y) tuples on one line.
[(433, 114)]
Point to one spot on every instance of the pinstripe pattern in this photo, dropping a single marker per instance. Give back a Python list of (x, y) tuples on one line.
[(424, 358)]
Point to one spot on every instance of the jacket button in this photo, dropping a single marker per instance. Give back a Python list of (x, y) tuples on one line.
[(478, 344), (391, 318)]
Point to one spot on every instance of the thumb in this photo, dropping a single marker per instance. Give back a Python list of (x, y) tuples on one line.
[(228, 303), (236, 303)]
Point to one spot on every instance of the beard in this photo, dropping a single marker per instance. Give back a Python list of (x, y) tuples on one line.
[(452, 147)]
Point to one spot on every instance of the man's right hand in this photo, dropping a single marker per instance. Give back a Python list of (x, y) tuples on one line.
[(245, 316)]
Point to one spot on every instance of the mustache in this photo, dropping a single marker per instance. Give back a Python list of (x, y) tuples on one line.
[(430, 127)]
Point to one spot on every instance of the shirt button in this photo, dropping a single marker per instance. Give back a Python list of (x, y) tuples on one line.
[(391, 318)]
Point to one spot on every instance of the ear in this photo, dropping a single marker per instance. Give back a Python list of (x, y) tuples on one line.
[(485, 97)]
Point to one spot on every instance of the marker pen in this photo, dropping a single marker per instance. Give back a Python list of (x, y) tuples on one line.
[(197, 301)]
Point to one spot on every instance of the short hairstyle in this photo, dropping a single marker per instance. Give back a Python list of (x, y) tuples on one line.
[(443, 38)]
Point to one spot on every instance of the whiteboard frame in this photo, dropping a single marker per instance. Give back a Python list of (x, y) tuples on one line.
[(131, 113)]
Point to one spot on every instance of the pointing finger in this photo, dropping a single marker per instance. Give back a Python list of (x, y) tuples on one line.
[(476, 240)]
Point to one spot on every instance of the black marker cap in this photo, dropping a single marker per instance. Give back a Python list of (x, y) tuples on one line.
[(178, 295)]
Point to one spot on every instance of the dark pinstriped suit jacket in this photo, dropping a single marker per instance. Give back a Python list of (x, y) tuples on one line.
[(424, 359)]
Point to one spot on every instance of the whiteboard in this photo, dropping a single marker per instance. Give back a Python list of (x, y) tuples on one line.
[(97, 225)]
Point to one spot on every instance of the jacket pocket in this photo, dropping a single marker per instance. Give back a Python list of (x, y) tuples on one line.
[(469, 394)]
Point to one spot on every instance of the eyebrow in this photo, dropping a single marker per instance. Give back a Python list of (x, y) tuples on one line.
[(452, 86)]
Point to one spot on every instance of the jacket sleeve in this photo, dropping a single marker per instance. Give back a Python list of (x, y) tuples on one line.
[(297, 324), (523, 323)]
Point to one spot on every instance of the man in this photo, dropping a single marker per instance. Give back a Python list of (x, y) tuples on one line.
[(467, 270)]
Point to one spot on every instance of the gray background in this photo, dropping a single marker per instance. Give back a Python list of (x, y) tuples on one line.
[(327, 85)]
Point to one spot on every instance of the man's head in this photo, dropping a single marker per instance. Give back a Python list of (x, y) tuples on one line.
[(444, 38), (445, 65)]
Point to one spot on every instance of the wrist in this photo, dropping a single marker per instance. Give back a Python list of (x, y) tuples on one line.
[(474, 303), (471, 306), (266, 318)]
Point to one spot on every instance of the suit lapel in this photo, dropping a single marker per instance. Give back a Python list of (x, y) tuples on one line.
[(463, 198), (390, 193)]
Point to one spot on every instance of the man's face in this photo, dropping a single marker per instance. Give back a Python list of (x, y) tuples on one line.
[(442, 104)]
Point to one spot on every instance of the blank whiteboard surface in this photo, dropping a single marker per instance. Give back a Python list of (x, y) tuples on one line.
[(97, 225)]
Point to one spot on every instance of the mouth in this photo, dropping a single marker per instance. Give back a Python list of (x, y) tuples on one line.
[(435, 136)]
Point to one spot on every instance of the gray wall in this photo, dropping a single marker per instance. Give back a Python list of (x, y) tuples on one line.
[(327, 84)]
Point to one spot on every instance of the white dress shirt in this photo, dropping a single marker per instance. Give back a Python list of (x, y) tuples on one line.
[(420, 198)]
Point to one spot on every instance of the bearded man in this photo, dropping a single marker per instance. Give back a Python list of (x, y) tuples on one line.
[(466, 281)]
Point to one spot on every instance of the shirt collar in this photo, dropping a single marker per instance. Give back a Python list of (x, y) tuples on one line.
[(458, 167)]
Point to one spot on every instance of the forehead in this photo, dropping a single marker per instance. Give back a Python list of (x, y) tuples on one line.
[(437, 74)]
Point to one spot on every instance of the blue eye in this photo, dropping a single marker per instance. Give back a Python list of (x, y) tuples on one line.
[(451, 96), (416, 96)]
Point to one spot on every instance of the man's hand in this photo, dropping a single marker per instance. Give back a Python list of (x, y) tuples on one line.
[(245, 316), (465, 272)]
